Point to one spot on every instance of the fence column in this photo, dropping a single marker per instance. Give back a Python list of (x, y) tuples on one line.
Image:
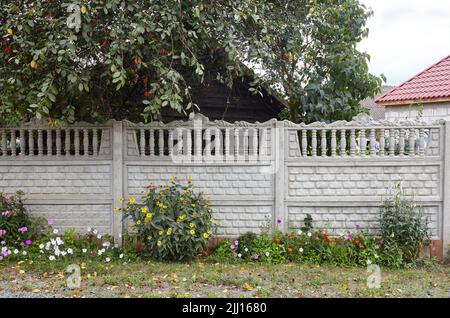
[(446, 192), (280, 146), (118, 180)]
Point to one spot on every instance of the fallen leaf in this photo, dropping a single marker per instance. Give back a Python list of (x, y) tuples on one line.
[(247, 286)]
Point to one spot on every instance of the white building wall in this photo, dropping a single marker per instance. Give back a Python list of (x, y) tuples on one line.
[(430, 112)]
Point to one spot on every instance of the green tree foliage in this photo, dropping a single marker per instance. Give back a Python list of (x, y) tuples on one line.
[(307, 50), (94, 60)]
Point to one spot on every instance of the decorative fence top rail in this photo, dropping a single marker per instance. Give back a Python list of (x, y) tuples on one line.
[(363, 137), (37, 140), (199, 139)]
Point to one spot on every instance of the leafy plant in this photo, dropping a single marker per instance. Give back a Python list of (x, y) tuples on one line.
[(17, 226), (403, 227), (173, 222)]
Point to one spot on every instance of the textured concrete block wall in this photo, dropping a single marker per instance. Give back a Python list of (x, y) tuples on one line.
[(74, 194), (242, 196)]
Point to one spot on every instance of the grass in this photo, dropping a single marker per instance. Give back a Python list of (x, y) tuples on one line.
[(202, 279)]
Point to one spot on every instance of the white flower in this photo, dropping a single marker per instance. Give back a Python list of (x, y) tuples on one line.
[(59, 241), (100, 252), (55, 231), (107, 259), (95, 231), (70, 251), (4, 248), (299, 232), (24, 253), (300, 250), (99, 236), (369, 262), (121, 256), (53, 242), (239, 255), (89, 229), (309, 234), (267, 254), (63, 253), (51, 257), (246, 249), (84, 250), (16, 251), (41, 246), (376, 255)]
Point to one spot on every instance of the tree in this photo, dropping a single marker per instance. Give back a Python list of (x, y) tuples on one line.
[(83, 59), (307, 51), (93, 60)]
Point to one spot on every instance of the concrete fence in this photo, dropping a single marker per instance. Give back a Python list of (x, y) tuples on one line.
[(339, 172)]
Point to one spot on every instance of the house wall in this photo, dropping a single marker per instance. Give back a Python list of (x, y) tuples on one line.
[(250, 172), (430, 112)]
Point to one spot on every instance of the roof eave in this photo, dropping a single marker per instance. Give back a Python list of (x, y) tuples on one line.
[(413, 101)]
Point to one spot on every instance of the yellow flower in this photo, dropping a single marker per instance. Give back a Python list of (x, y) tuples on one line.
[(121, 200), (138, 222), (212, 220), (205, 235), (169, 231), (159, 243), (160, 232), (192, 232), (144, 209), (83, 10), (132, 200), (10, 31), (117, 209), (191, 225), (149, 238), (149, 216), (189, 179)]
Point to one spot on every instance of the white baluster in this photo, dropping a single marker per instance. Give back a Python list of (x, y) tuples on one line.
[(40, 143), (343, 143), (314, 143), (391, 142), (22, 143), (373, 149), (142, 142), (352, 143), (333, 142), (382, 142), (304, 143), (151, 142), (95, 142), (30, 142), (323, 143), (58, 143)]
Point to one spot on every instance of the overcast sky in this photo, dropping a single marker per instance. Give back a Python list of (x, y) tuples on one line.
[(406, 36)]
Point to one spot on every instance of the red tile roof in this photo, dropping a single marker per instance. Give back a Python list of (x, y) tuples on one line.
[(430, 85)]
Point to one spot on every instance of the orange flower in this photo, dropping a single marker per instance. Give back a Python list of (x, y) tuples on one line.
[(326, 234), (277, 240), (289, 250), (356, 242), (362, 246), (329, 239), (317, 238), (289, 235), (147, 93)]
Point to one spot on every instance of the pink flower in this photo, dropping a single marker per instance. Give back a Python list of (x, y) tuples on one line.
[(2, 232), (92, 253), (28, 242), (8, 199), (278, 221), (23, 229), (50, 222)]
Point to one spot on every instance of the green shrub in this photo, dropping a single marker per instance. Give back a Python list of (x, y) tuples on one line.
[(173, 222), (403, 228)]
